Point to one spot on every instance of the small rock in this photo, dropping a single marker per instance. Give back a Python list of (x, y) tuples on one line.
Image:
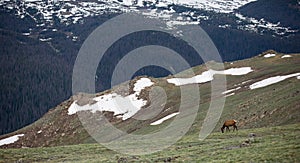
[(251, 135), (135, 157), (244, 144), (122, 160), (169, 159)]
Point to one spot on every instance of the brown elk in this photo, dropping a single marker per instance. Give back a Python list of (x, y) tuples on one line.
[(228, 123)]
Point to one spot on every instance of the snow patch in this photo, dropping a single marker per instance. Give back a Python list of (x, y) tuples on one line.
[(11, 139), (236, 71), (244, 82), (45, 39), (32, 0), (142, 84), (26, 34), (208, 76), (231, 94), (173, 23), (123, 107), (271, 80), (225, 26), (298, 77), (269, 55), (231, 90), (164, 119), (286, 56), (40, 131)]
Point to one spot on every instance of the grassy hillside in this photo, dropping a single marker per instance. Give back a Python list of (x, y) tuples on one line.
[(272, 144), (271, 112)]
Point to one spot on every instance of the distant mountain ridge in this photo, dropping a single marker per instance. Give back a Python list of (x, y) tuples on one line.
[(46, 14)]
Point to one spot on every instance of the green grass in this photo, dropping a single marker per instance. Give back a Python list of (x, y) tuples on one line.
[(273, 144), (275, 107)]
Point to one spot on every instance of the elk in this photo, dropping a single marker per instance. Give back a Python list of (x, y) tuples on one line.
[(228, 123)]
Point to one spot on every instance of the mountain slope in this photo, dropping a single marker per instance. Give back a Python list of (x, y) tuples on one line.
[(58, 29), (269, 144), (273, 11), (28, 79), (272, 105)]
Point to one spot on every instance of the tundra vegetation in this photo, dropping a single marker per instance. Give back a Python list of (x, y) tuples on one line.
[(268, 123)]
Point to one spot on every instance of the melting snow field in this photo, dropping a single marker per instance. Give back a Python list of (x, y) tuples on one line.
[(286, 56), (231, 90), (231, 94), (269, 55), (11, 139), (123, 107), (164, 119), (271, 80), (142, 84), (209, 76)]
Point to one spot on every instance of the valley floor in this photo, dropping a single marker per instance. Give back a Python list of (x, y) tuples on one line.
[(273, 144)]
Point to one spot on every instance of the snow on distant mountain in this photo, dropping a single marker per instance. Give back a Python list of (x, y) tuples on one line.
[(253, 24), (222, 6), (46, 12)]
